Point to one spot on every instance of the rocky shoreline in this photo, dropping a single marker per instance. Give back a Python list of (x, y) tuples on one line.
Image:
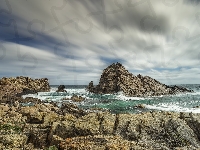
[(116, 78), (16, 87), (47, 126)]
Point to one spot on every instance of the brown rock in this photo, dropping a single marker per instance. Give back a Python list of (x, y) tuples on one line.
[(12, 87), (76, 98), (116, 78)]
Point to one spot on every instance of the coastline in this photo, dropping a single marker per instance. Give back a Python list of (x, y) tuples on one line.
[(45, 125)]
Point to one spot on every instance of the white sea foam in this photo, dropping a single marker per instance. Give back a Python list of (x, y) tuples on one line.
[(172, 107), (123, 97), (179, 103)]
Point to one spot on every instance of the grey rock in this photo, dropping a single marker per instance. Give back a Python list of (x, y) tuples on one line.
[(61, 88)]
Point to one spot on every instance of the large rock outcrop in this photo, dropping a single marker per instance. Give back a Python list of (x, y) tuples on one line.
[(11, 87), (116, 78), (151, 130)]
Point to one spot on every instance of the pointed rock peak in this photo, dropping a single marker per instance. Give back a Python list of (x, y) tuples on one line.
[(139, 76), (116, 78)]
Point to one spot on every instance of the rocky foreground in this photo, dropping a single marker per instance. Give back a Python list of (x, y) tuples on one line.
[(45, 125), (49, 127), (116, 78)]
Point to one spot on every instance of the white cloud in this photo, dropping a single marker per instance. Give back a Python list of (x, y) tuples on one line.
[(90, 35)]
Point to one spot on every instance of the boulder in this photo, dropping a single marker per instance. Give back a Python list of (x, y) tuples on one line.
[(61, 88), (141, 106), (76, 98), (34, 116), (91, 87), (69, 108), (116, 78)]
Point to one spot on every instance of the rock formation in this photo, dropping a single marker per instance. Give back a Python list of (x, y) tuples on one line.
[(67, 127), (75, 98), (116, 78), (11, 87), (61, 88)]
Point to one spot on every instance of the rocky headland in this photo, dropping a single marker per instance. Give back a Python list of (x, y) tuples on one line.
[(16, 87), (116, 78), (67, 127)]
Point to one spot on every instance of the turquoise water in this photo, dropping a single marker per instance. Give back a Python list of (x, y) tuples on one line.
[(117, 103)]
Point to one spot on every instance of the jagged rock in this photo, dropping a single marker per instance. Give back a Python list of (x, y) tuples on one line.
[(34, 116), (156, 130), (61, 88), (73, 128), (28, 100), (69, 108), (88, 125), (37, 135), (11, 87), (63, 129), (116, 78), (91, 87)]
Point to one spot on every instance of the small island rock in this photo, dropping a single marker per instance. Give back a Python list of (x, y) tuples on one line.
[(61, 88), (116, 78)]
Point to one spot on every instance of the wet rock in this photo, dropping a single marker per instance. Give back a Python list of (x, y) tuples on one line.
[(196, 107), (12, 87), (61, 88), (76, 98), (91, 87), (141, 106), (29, 100), (116, 78)]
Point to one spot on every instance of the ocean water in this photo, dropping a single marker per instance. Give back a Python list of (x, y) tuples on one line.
[(118, 103)]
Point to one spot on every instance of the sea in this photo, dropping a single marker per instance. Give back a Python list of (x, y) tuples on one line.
[(118, 103)]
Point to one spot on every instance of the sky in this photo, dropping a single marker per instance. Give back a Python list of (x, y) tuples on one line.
[(71, 41)]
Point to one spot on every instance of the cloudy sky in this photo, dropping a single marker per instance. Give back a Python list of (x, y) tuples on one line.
[(72, 41)]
